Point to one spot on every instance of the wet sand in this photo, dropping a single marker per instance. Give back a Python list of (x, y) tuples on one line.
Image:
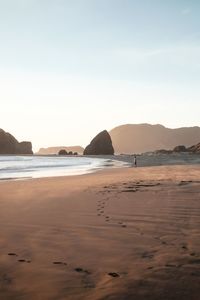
[(131, 233)]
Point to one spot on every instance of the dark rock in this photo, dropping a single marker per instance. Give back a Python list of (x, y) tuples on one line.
[(62, 152), (195, 148), (25, 148), (55, 150), (163, 151), (9, 145), (100, 145), (180, 148)]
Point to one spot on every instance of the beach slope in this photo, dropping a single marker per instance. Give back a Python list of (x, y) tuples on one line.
[(129, 233)]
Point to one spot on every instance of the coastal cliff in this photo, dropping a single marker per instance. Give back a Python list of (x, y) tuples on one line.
[(10, 145)]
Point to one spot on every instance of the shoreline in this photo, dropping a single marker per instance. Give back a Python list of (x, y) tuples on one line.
[(60, 168), (114, 170), (110, 161)]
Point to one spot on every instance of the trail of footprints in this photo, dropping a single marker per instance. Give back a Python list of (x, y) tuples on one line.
[(127, 187), (130, 187), (61, 263), (193, 257), (101, 206)]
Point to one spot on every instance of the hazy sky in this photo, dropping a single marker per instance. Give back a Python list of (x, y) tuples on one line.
[(71, 68)]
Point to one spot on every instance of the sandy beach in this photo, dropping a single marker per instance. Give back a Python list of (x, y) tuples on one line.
[(129, 233)]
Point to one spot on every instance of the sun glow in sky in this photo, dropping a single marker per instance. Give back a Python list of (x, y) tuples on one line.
[(71, 68)]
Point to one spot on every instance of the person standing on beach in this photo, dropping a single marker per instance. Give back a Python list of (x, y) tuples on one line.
[(135, 161)]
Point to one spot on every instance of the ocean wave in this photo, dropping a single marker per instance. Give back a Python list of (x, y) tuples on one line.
[(34, 166)]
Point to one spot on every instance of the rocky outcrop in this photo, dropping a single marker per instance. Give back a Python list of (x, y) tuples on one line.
[(195, 148), (180, 148), (25, 148), (9, 145), (55, 150), (100, 145), (163, 151), (62, 152)]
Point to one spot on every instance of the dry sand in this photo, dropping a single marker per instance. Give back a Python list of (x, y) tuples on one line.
[(131, 233)]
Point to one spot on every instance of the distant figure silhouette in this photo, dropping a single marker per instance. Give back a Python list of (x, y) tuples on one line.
[(135, 161)]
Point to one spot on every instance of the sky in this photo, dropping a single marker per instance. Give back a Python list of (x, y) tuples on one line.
[(71, 68)]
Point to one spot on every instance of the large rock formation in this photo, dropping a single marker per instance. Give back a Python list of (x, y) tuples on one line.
[(25, 148), (194, 149), (180, 149), (140, 138), (100, 145), (9, 145), (55, 150)]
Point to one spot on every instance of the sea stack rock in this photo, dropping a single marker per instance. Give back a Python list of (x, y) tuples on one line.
[(100, 145), (62, 152), (9, 145)]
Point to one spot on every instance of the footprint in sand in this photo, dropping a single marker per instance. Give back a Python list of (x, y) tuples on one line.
[(59, 263), (159, 239), (196, 274), (173, 266), (113, 274), (147, 255), (21, 260), (184, 247), (163, 243), (7, 279), (129, 191), (80, 270), (12, 254), (195, 261)]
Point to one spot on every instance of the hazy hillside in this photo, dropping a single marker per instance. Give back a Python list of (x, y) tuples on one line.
[(55, 150), (138, 138)]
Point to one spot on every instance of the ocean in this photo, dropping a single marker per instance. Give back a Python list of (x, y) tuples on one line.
[(16, 167)]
